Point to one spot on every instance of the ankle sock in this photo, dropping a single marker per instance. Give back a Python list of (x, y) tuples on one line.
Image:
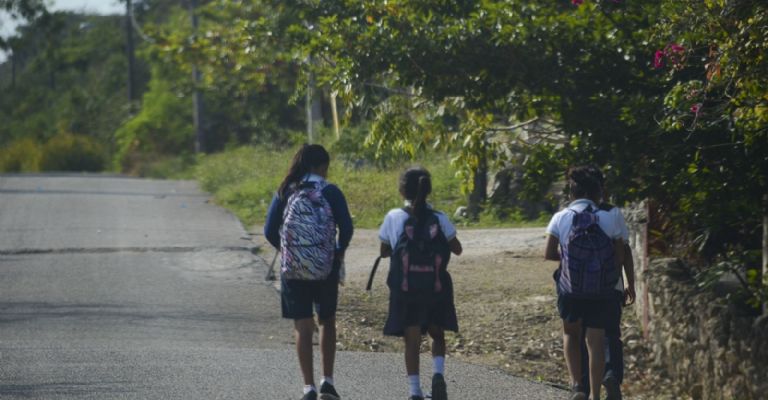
[(438, 363), (415, 385), (328, 379), (309, 388)]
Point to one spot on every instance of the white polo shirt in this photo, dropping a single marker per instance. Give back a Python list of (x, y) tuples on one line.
[(392, 227), (611, 222)]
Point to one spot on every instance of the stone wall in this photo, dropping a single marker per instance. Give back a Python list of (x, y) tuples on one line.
[(636, 215), (707, 348)]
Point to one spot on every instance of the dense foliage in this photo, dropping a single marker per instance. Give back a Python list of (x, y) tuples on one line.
[(668, 96)]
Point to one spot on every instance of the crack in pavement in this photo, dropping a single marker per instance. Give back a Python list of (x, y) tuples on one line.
[(130, 249)]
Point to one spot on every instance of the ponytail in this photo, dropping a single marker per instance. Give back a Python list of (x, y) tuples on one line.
[(308, 157), (420, 202), (416, 185)]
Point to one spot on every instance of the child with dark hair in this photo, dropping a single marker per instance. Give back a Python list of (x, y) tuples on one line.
[(589, 244), (301, 223), (420, 240), (624, 295)]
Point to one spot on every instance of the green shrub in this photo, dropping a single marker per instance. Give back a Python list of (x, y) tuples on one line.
[(162, 127), (68, 152), (22, 155)]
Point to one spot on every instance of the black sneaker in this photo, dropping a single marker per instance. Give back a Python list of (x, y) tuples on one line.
[(328, 392), (310, 396), (612, 388), (577, 393), (439, 390)]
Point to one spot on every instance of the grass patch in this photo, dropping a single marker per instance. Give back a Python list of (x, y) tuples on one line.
[(244, 179)]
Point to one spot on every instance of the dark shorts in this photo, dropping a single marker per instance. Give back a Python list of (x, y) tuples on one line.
[(298, 297), (592, 313)]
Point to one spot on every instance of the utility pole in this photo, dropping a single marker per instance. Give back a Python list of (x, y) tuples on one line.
[(130, 53), (197, 99), (765, 251)]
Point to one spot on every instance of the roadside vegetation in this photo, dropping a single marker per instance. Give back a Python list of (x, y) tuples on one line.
[(668, 97), (245, 179)]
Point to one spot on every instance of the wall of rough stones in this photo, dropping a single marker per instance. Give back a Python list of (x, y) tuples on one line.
[(709, 349)]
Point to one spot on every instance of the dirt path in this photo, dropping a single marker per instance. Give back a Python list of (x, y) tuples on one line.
[(505, 301), (504, 298)]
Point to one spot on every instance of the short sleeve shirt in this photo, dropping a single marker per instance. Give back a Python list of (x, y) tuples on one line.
[(392, 227), (611, 222)]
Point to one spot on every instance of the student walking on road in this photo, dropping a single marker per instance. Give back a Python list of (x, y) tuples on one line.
[(624, 295), (420, 241), (302, 224), (591, 250)]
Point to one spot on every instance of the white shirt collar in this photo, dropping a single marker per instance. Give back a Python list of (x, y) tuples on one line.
[(582, 202), (312, 178), (409, 203)]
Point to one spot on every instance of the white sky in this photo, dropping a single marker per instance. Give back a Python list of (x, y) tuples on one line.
[(8, 26)]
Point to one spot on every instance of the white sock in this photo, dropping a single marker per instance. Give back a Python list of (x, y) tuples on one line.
[(309, 388), (328, 379), (415, 385), (438, 363)]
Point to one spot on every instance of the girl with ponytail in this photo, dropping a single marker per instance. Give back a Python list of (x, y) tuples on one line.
[(414, 311), (307, 209)]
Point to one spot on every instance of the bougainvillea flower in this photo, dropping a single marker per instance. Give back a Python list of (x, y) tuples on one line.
[(658, 59), (675, 48), (577, 2), (696, 108)]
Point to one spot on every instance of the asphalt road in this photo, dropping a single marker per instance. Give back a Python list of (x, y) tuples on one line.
[(121, 288)]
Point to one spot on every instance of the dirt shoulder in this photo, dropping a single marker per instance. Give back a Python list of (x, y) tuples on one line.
[(505, 301)]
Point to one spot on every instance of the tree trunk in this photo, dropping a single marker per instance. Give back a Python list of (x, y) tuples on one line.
[(13, 70), (197, 100), (335, 114), (308, 106), (480, 189)]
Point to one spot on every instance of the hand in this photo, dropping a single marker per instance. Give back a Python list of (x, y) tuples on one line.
[(629, 295)]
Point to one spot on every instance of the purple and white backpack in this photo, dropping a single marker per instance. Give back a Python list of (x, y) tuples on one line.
[(588, 267), (308, 234)]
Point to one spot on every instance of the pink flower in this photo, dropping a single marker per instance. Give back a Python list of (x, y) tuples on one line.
[(675, 48), (658, 59), (577, 2), (696, 108)]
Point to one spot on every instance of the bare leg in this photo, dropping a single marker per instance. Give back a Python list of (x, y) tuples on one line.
[(595, 346), (328, 344), (572, 349), (412, 339), (438, 340), (305, 329)]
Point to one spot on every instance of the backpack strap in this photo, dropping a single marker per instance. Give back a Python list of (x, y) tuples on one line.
[(373, 273)]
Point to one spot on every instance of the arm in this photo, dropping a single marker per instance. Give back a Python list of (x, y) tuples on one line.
[(384, 250), (618, 251), (629, 270), (274, 220), (551, 252), (341, 215), (455, 246)]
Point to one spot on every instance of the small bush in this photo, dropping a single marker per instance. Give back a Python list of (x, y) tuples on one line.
[(22, 155), (68, 152)]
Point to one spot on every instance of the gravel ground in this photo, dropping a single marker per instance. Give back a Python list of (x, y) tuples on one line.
[(505, 301)]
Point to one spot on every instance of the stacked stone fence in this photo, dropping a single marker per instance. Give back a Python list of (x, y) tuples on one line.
[(707, 348)]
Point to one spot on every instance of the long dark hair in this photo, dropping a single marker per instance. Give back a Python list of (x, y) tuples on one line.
[(309, 156), (585, 182), (415, 185)]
